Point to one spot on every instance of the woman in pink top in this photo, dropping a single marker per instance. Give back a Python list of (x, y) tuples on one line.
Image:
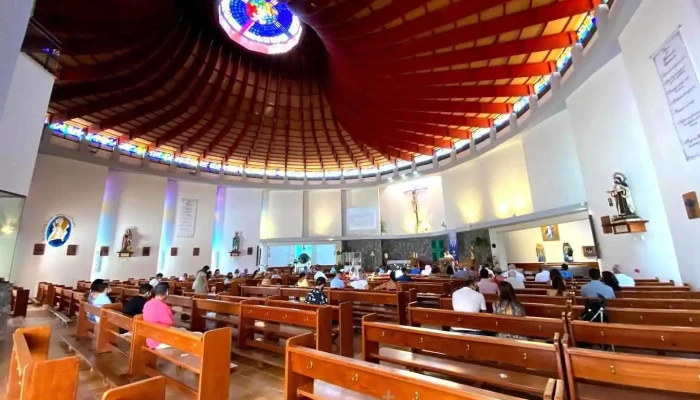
[(486, 285), (155, 310)]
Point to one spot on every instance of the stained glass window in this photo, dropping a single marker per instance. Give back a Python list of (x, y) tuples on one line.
[(264, 26)]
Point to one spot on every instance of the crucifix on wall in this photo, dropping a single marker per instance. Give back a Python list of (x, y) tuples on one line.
[(414, 203)]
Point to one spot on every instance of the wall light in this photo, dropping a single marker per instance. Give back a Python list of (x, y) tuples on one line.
[(7, 229)]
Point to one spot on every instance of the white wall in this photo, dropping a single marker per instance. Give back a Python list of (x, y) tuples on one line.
[(14, 16), (185, 261), (283, 214), (609, 137), (520, 245), (136, 203), (492, 186), (22, 122), (552, 164), (650, 26), (59, 186), (397, 211), (324, 217), (366, 198), (243, 208)]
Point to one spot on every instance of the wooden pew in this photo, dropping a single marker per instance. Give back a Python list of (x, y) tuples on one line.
[(531, 309), (591, 372), (207, 355), (658, 288), (428, 294), (520, 366), (641, 316), (41, 291), (32, 375), (108, 337), (389, 305), (341, 316), (313, 374), (667, 294), (152, 389), (533, 327), (282, 322), (181, 305), (19, 300), (651, 337), (672, 304), (260, 291)]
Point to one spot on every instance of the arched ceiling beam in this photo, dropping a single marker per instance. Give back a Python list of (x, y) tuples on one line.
[(336, 14), (256, 135), (458, 92), (90, 28), (110, 10), (358, 27), (181, 43), (197, 89), (208, 104), (166, 98), (452, 106), (472, 75), (230, 150)]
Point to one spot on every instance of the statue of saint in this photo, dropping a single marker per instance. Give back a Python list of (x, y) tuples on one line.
[(126, 241), (540, 253), (622, 195), (236, 242)]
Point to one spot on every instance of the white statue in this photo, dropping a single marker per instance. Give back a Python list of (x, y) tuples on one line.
[(622, 196)]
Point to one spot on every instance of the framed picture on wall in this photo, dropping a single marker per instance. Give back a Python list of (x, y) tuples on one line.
[(550, 233)]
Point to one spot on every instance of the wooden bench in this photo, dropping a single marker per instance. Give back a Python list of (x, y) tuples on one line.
[(341, 316), (19, 301), (389, 305), (313, 374), (519, 366), (531, 309), (533, 327), (207, 355), (672, 304), (428, 294), (650, 337), (668, 294), (42, 290), (109, 336), (642, 316), (32, 375), (657, 288), (152, 389), (260, 291), (182, 307), (590, 374)]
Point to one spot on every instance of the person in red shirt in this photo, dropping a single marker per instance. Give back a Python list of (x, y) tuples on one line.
[(156, 311)]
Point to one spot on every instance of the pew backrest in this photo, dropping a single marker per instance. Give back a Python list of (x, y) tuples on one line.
[(642, 316), (653, 337)]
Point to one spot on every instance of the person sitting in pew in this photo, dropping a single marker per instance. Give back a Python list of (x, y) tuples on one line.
[(390, 284), (565, 271), (266, 279), (155, 281), (403, 276), (623, 279), (610, 280), (317, 296), (303, 280), (99, 296), (217, 273), (361, 283), (486, 285), (337, 282), (595, 287), (415, 270), (228, 279), (135, 304), (275, 275), (508, 304), (542, 276), (514, 280), (518, 274), (157, 311), (449, 270), (558, 287), (468, 299), (497, 277), (461, 273), (183, 278)]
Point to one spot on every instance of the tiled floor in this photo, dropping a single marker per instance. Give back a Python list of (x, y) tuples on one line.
[(250, 382)]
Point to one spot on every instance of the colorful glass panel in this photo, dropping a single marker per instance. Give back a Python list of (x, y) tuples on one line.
[(264, 26)]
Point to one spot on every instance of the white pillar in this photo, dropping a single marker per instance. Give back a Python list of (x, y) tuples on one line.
[(14, 16)]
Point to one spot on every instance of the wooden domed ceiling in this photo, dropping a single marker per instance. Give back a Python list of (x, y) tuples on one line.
[(370, 82)]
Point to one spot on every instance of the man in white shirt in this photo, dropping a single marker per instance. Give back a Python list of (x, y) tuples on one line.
[(468, 299), (361, 282), (542, 276), (519, 275), (320, 274), (514, 281), (622, 279), (155, 281)]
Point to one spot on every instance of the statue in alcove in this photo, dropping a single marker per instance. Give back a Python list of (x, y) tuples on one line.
[(621, 196), (236, 242), (127, 241)]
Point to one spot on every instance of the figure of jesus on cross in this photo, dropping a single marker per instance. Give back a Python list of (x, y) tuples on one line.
[(414, 203)]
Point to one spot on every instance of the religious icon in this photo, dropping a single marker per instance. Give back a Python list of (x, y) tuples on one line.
[(622, 196), (126, 241), (540, 253), (414, 204), (550, 233), (568, 252), (236, 242), (690, 200), (58, 231)]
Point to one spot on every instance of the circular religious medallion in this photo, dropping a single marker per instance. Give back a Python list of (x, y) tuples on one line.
[(264, 26), (58, 230)]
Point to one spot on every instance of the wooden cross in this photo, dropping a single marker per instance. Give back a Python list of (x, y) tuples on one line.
[(414, 203)]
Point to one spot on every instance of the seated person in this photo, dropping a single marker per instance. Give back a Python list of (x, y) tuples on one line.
[(217, 273), (558, 287), (484, 267), (497, 277), (449, 270), (542, 276), (316, 296), (519, 275), (98, 296), (514, 281), (565, 271), (320, 274), (468, 299), (303, 281), (623, 279), (508, 304), (275, 275), (266, 279), (461, 273), (427, 270), (333, 270), (156, 280), (228, 279), (415, 270), (390, 284), (337, 282), (595, 287), (158, 312), (236, 273), (403, 277), (361, 282), (183, 278), (485, 284), (135, 304), (610, 280)]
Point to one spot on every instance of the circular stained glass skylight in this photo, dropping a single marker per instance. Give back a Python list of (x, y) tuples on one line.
[(264, 26)]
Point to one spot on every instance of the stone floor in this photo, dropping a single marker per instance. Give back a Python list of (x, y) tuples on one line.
[(250, 382)]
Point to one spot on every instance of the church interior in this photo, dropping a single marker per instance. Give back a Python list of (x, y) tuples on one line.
[(349, 199)]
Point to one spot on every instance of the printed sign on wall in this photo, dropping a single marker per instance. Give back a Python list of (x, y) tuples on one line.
[(187, 218)]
